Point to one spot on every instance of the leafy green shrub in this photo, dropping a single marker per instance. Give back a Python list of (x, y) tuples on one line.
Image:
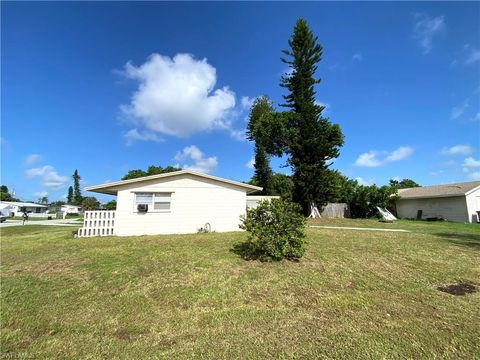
[(276, 231), (364, 201)]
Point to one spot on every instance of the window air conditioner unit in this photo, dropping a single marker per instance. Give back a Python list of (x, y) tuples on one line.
[(142, 208)]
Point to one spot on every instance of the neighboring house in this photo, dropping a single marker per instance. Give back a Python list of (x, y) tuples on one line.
[(16, 208), (71, 209), (4, 211), (454, 202), (171, 203)]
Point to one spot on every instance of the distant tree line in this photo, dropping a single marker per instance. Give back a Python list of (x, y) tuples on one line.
[(151, 170), (5, 194), (362, 200)]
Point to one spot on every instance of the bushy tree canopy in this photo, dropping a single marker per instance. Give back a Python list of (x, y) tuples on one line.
[(90, 203), (5, 194), (365, 199), (111, 205), (262, 108), (403, 184), (151, 170)]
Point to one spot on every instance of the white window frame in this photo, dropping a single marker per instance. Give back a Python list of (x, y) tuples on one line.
[(151, 205)]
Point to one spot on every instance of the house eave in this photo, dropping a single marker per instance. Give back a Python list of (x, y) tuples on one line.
[(431, 196), (113, 187)]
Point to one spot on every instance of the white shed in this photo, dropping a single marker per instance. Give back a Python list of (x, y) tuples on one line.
[(454, 202), (171, 203), (71, 209)]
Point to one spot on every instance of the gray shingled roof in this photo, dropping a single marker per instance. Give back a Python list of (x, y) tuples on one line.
[(458, 189)]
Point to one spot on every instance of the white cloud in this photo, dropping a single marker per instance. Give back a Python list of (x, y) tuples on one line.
[(457, 150), (133, 135), (476, 117), (399, 154), (459, 110), (364, 182), (357, 56), (32, 159), (470, 162), (238, 134), (50, 177), (41, 193), (368, 159), (246, 103), (176, 96), (474, 175), (424, 29), (373, 158), (192, 158), (251, 163), (473, 56)]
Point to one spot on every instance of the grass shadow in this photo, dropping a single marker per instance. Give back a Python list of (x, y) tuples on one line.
[(463, 239), (246, 251)]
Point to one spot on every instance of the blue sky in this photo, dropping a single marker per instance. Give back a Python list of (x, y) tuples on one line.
[(108, 87)]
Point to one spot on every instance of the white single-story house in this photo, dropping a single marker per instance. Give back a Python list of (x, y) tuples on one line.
[(16, 208), (71, 209), (172, 203), (454, 202)]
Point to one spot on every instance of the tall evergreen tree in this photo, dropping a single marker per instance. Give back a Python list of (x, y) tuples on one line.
[(313, 141), (261, 109), (77, 194), (70, 195)]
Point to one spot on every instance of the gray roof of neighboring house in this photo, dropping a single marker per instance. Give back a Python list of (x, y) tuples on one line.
[(446, 190)]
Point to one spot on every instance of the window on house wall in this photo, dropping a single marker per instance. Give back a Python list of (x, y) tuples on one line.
[(155, 201), (162, 201), (143, 198)]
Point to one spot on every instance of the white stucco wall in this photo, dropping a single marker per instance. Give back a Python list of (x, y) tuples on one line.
[(252, 201), (194, 202), (450, 208), (473, 205)]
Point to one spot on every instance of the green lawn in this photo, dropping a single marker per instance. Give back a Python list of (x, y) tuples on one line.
[(30, 218), (355, 295)]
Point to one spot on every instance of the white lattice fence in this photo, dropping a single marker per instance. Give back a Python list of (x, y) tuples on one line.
[(97, 223)]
